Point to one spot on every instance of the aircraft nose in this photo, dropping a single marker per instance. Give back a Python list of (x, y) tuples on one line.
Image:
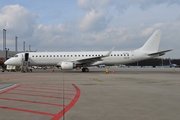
[(6, 62)]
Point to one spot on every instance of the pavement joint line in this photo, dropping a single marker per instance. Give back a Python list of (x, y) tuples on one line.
[(71, 104), (7, 87)]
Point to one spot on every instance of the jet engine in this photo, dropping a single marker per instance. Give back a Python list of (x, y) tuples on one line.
[(67, 65)]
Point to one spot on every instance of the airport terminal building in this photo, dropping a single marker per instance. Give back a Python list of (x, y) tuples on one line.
[(7, 54)]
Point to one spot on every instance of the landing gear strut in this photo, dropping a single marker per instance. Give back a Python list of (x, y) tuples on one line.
[(85, 70)]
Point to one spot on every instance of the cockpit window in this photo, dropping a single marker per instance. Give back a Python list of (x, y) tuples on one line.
[(16, 56)]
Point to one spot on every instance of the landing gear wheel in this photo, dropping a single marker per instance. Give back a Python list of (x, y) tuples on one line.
[(85, 70)]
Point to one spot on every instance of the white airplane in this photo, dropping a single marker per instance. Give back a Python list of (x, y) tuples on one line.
[(74, 60), (172, 65)]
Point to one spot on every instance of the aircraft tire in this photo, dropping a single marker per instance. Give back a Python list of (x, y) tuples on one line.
[(85, 70)]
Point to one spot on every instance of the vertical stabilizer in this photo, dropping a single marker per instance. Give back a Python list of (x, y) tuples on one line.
[(170, 61), (152, 43)]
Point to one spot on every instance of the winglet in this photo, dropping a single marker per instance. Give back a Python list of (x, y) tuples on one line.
[(109, 53)]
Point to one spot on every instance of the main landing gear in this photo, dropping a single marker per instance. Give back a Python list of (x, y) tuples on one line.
[(85, 70)]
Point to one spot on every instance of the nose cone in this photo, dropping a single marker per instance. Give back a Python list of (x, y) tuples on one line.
[(13, 61), (7, 62)]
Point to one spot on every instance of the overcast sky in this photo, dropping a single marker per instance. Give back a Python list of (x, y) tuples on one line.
[(84, 25)]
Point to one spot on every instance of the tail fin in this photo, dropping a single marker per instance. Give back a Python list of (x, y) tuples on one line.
[(170, 61), (152, 43)]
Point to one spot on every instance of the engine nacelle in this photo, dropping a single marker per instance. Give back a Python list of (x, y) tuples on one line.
[(67, 65)]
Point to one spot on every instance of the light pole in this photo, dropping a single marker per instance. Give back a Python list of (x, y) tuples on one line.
[(6, 50), (29, 48), (16, 43), (4, 39), (24, 46)]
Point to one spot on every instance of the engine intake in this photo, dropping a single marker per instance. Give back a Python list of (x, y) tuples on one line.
[(67, 65)]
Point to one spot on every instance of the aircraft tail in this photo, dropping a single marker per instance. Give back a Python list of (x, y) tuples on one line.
[(152, 43), (170, 61)]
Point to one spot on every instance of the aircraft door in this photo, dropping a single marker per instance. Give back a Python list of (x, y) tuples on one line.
[(26, 56)]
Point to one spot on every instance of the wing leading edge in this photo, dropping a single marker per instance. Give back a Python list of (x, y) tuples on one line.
[(93, 59)]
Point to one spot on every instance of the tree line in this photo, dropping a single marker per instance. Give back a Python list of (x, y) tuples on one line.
[(155, 62)]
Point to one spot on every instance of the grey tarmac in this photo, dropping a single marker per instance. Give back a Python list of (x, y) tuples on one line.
[(123, 94)]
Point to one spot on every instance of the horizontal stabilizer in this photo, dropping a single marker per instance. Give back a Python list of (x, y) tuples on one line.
[(160, 53)]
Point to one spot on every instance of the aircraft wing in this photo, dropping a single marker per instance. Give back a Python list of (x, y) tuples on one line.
[(160, 53), (93, 59)]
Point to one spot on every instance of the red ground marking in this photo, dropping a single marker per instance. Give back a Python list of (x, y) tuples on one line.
[(29, 101), (55, 116), (43, 91), (12, 88), (49, 88), (50, 85), (72, 103), (29, 111), (38, 95)]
